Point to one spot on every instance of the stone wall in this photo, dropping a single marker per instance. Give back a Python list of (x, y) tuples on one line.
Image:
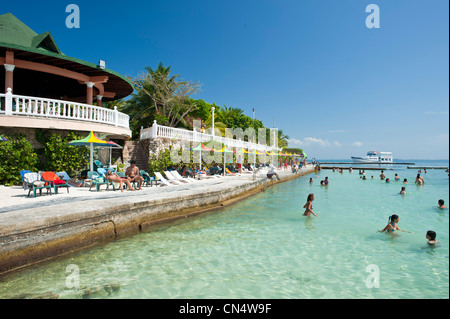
[(141, 151)]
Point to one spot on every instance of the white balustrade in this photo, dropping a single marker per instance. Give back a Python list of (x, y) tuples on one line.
[(193, 136), (49, 108)]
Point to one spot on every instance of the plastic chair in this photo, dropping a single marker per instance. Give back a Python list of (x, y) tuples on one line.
[(97, 180), (22, 173), (34, 183), (52, 179), (147, 180)]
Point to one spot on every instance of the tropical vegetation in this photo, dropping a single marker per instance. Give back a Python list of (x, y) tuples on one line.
[(163, 96)]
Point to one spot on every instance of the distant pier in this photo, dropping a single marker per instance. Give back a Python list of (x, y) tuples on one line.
[(427, 167), (353, 163), (356, 168)]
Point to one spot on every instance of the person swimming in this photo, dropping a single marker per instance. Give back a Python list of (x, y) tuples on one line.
[(392, 226), (431, 236), (308, 206), (403, 191), (441, 204)]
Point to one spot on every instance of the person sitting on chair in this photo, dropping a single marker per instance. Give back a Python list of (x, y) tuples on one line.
[(113, 177), (133, 173), (272, 172)]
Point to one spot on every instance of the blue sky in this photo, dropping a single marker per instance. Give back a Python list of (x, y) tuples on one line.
[(335, 87)]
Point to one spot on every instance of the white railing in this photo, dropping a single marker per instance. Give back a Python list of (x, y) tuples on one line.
[(48, 108), (193, 136)]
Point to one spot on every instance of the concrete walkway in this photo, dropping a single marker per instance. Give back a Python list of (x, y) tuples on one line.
[(33, 229)]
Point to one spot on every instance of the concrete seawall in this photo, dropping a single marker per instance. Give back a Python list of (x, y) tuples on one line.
[(34, 233)]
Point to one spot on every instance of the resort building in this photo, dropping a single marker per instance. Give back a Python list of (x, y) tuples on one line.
[(42, 88)]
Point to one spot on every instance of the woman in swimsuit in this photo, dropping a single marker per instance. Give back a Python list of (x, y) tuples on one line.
[(392, 226), (308, 206), (117, 179)]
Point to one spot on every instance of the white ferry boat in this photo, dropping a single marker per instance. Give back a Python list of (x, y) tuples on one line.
[(375, 157)]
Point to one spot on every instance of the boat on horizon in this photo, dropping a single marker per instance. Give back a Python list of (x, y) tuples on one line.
[(375, 157)]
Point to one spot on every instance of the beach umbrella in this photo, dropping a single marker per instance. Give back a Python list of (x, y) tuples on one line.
[(242, 151), (91, 140), (225, 150), (206, 149), (201, 147)]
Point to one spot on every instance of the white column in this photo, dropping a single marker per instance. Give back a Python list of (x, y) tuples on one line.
[(116, 116), (155, 129), (8, 102)]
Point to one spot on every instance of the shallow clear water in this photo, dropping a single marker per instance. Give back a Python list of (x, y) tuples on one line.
[(263, 247)]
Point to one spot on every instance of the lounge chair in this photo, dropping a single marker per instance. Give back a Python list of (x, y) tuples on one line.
[(230, 173), (34, 183), (54, 180), (164, 181), (122, 174), (98, 164), (98, 180), (172, 178), (147, 181), (102, 173), (22, 173), (179, 177)]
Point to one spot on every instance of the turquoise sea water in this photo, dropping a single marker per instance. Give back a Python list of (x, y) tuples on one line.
[(263, 247)]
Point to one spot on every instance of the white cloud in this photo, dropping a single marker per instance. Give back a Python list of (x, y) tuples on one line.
[(357, 144), (313, 140), (295, 142)]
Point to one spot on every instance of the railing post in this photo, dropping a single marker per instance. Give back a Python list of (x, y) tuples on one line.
[(8, 102), (155, 129), (116, 116)]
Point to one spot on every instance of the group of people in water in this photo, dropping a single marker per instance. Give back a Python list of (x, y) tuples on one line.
[(392, 225)]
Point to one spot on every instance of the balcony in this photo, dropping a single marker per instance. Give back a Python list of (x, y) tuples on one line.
[(35, 112)]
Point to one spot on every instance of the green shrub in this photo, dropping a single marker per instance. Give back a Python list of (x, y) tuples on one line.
[(58, 156), (160, 162), (16, 155)]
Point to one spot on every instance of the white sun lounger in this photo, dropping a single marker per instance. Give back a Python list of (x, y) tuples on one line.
[(172, 178), (180, 178), (164, 181)]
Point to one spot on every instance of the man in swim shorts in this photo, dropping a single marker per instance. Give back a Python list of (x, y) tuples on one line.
[(133, 173)]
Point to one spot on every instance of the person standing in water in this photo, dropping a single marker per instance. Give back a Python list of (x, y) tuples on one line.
[(392, 226), (431, 236), (308, 206)]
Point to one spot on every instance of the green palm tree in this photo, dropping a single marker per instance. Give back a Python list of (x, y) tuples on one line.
[(282, 139)]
